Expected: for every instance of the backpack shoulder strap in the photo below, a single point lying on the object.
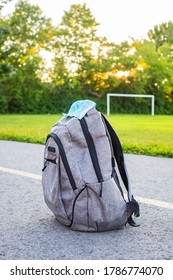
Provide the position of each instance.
(118, 153)
(133, 206)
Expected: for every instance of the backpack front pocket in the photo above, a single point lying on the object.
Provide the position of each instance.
(92, 212)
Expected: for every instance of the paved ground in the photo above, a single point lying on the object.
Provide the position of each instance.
(30, 231)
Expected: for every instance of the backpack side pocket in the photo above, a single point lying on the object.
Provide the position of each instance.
(51, 181)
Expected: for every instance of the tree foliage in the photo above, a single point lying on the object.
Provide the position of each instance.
(161, 34)
(81, 64)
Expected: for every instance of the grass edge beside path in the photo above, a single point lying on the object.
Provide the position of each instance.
(138, 134)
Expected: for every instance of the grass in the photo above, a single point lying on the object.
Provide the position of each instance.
(144, 134)
(139, 134)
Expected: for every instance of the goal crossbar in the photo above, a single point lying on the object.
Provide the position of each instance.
(130, 95)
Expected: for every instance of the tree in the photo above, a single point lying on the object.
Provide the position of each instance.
(29, 33)
(4, 66)
(84, 65)
(153, 75)
(161, 34)
(97, 73)
(86, 55)
(77, 33)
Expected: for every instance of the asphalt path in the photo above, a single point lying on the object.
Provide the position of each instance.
(29, 230)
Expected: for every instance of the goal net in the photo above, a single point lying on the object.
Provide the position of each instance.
(109, 95)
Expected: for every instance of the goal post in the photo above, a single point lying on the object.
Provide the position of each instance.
(131, 95)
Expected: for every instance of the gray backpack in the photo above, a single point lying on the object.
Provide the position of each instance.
(83, 161)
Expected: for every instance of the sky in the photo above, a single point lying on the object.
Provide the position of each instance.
(119, 19)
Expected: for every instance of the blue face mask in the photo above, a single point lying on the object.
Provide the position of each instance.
(79, 108)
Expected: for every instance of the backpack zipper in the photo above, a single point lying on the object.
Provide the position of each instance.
(64, 159)
(74, 202)
(45, 163)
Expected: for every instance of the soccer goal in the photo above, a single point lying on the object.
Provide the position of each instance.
(130, 95)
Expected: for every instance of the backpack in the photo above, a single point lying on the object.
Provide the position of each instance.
(83, 164)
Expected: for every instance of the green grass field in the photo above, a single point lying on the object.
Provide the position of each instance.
(139, 134)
